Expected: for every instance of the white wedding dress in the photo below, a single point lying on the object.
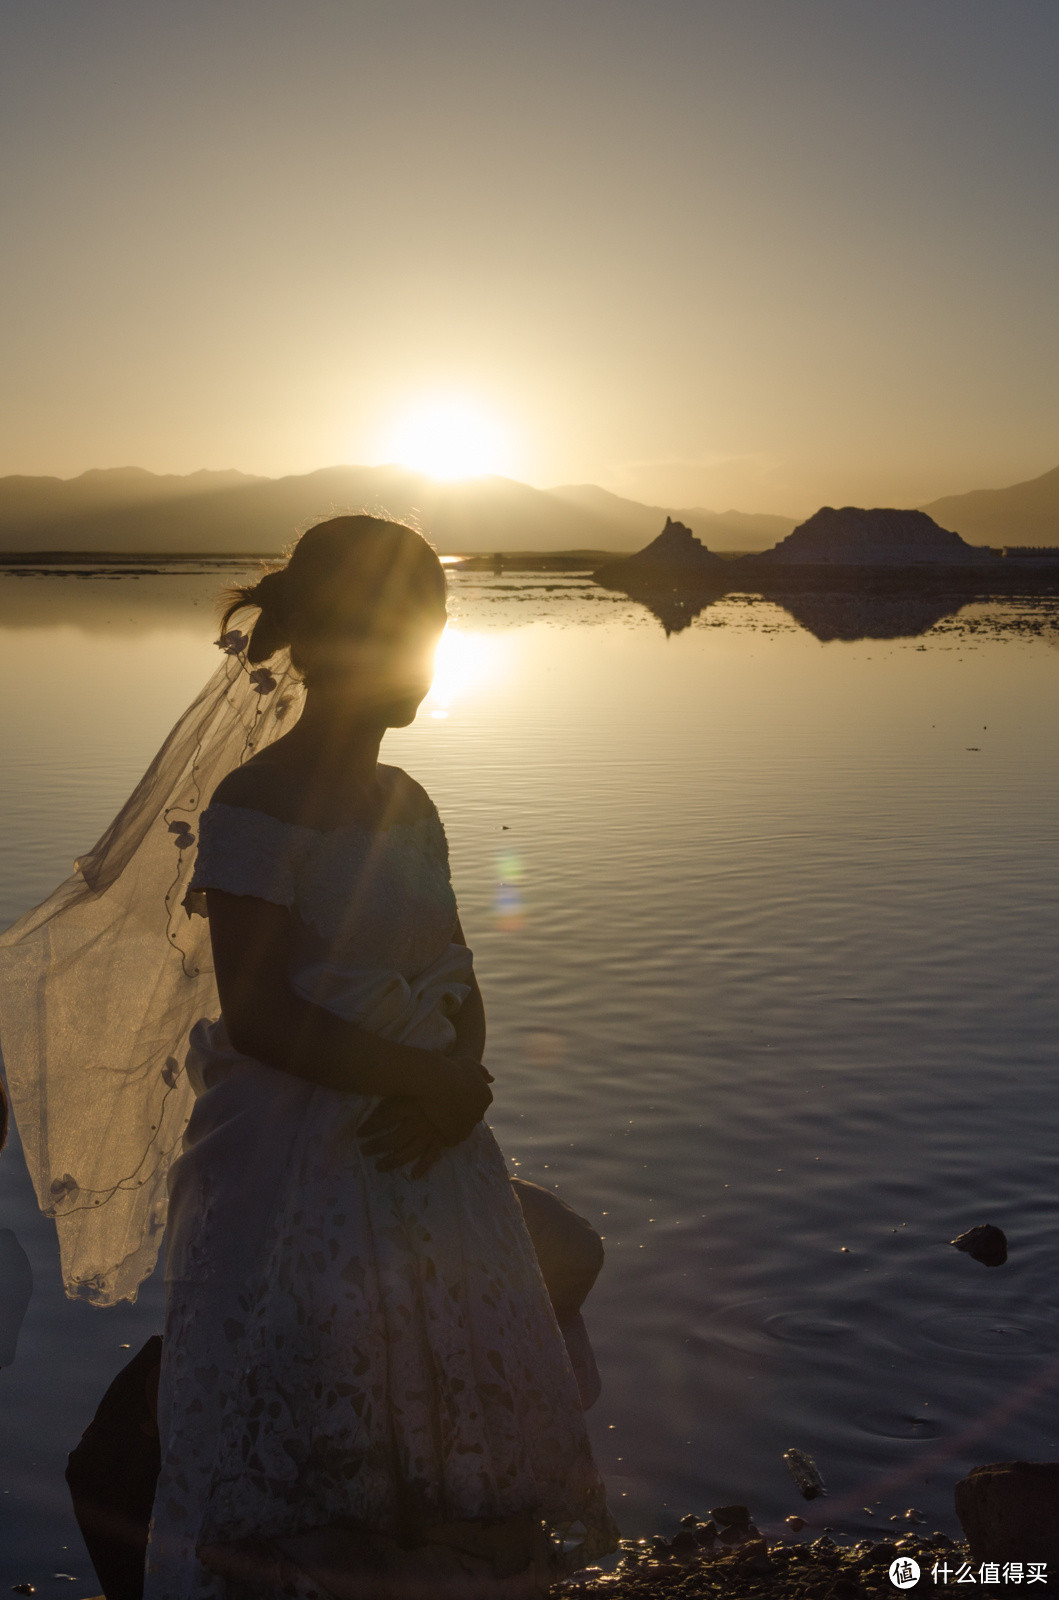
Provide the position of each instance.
(345, 1345)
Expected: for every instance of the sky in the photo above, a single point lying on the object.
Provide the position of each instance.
(752, 254)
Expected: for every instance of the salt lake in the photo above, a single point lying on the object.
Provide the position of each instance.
(766, 922)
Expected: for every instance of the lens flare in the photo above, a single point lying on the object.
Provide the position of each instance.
(509, 905)
(545, 1048)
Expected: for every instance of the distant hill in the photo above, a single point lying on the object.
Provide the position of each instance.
(1027, 513)
(209, 513)
(128, 509)
(32, 500)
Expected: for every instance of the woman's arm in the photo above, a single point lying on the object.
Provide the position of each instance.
(265, 1018)
(469, 1023)
(470, 1019)
(402, 1131)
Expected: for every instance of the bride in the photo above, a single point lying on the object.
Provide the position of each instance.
(364, 1390)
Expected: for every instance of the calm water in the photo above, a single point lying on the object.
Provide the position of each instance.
(767, 932)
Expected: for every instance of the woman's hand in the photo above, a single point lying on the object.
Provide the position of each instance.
(461, 1099)
(400, 1132)
(404, 1131)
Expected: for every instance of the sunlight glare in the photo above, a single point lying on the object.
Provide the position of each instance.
(464, 662)
(448, 438)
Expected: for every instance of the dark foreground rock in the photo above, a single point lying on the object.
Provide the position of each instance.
(1010, 1512)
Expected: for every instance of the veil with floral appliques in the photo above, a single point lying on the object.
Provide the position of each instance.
(101, 984)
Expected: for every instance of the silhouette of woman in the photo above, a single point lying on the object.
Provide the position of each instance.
(364, 1389)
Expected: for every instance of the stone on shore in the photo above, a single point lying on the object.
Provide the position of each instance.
(757, 1567)
(731, 1516)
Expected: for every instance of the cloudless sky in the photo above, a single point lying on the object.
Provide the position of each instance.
(761, 253)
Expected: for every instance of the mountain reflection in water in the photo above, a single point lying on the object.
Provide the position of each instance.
(870, 616)
(828, 615)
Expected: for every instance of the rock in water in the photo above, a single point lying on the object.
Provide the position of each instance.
(803, 1470)
(16, 1290)
(985, 1243)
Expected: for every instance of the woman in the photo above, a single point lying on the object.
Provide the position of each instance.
(364, 1390)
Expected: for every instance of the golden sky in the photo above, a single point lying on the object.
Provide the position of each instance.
(752, 253)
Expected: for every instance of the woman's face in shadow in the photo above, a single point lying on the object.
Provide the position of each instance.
(378, 668)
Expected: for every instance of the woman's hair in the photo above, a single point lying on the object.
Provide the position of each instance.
(347, 570)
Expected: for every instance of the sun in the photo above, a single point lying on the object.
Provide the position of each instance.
(448, 437)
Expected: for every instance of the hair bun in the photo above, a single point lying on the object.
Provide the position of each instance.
(272, 591)
(271, 631)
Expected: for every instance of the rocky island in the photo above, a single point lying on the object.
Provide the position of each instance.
(855, 537)
(674, 576)
(674, 553)
(877, 557)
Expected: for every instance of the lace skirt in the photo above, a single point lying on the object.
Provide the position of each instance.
(349, 1347)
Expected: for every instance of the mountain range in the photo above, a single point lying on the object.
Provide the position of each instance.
(1027, 513)
(127, 509)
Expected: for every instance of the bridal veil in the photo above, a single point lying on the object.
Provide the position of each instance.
(101, 984)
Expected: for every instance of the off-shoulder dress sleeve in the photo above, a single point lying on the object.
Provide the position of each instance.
(439, 839)
(248, 852)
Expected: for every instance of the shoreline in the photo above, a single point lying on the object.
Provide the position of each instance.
(696, 1565)
(755, 1568)
(741, 1564)
(731, 572)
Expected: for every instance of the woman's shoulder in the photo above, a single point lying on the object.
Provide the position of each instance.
(409, 800)
(413, 806)
(272, 788)
(255, 786)
(244, 847)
